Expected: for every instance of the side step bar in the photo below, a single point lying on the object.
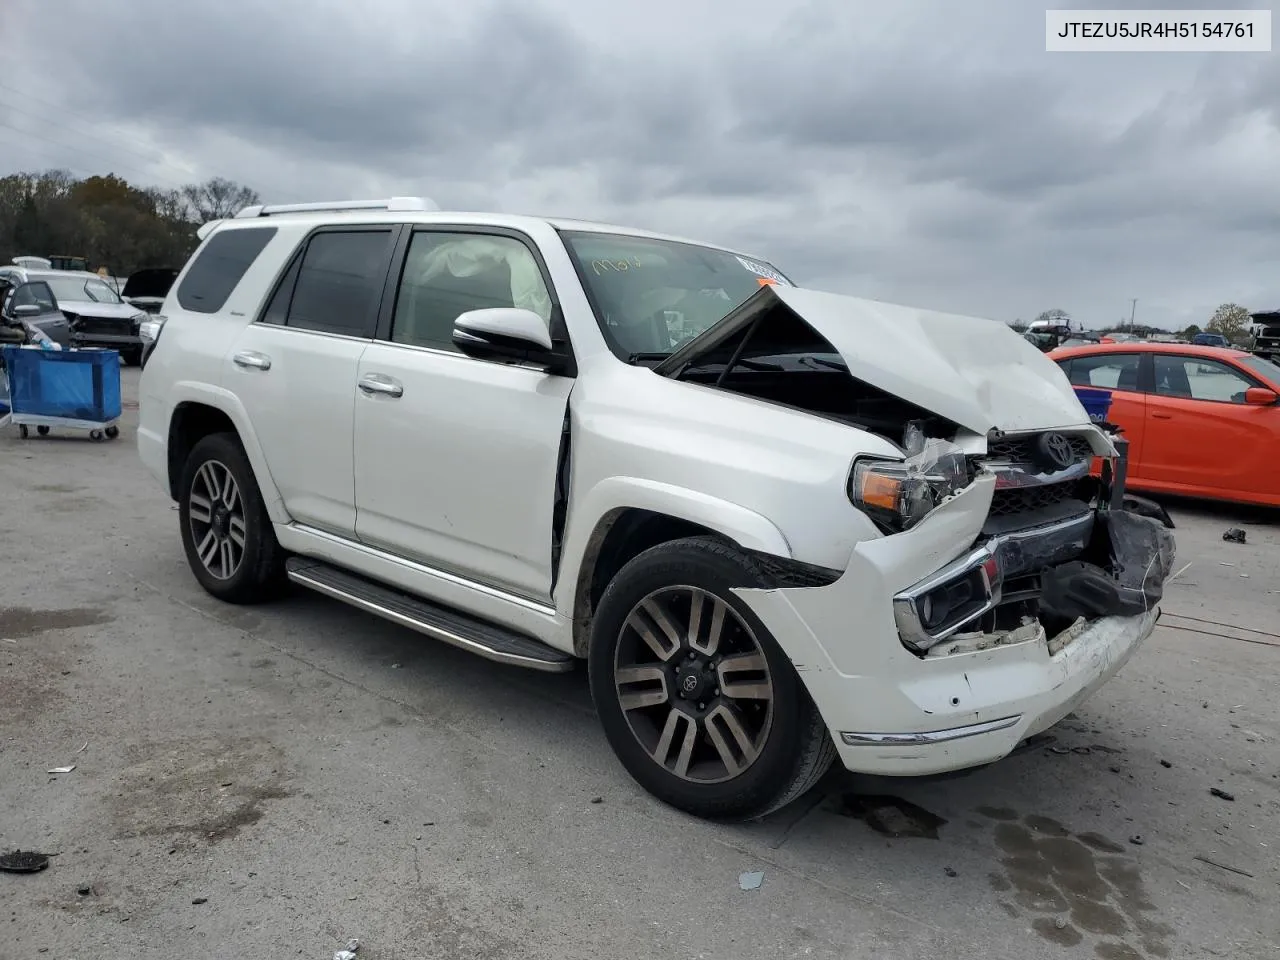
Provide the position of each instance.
(460, 629)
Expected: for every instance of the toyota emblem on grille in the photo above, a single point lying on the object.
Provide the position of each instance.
(1056, 451)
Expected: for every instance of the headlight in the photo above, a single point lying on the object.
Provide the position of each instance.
(149, 328)
(898, 494)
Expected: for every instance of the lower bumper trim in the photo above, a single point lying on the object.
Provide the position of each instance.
(928, 737)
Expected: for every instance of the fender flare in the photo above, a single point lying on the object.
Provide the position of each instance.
(592, 516)
(227, 403)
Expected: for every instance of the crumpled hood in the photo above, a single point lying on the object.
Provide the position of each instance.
(975, 372)
(105, 311)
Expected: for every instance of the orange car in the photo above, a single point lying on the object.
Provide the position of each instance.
(1200, 421)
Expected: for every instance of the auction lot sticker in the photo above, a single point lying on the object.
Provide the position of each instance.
(1157, 31)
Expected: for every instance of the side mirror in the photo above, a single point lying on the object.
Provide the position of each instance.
(26, 310)
(1260, 397)
(505, 333)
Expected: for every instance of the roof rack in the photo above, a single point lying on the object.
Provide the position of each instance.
(392, 204)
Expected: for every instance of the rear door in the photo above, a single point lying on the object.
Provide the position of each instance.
(1121, 373)
(1201, 435)
(294, 369)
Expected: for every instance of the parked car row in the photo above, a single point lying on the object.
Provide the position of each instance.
(79, 308)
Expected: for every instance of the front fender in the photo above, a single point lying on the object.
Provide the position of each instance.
(226, 402)
(748, 529)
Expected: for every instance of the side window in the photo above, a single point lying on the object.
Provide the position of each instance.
(36, 293)
(1065, 367)
(339, 280)
(447, 274)
(220, 266)
(1191, 378)
(1112, 371)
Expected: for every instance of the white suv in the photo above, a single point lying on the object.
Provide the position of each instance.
(780, 525)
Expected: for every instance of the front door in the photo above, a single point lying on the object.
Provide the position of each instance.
(1201, 435)
(295, 370)
(455, 458)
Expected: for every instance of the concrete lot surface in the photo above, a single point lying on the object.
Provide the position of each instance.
(270, 782)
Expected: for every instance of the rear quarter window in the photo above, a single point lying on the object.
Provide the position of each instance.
(219, 266)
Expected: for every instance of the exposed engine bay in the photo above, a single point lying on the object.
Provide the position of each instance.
(1062, 546)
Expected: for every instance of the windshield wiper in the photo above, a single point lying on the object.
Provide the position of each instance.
(647, 357)
(810, 359)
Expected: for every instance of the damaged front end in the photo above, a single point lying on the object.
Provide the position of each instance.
(1058, 551)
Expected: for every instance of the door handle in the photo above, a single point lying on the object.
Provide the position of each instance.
(1162, 416)
(252, 361)
(377, 383)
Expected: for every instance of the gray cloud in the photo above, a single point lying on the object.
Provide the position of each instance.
(923, 152)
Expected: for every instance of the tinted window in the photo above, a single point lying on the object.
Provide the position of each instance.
(339, 282)
(1190, 378)
(35, 293)
(219, 266)
(447, 274)
(1113, 371)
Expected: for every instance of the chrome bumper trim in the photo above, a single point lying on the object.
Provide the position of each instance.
(928, 737)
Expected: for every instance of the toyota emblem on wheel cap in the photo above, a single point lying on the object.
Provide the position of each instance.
(689, 683)
(1056, 451)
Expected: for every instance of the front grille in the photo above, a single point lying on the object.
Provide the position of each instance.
(1022, 449)
(1028, 499)
(115, 326)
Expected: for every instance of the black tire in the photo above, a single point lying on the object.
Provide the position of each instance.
(96, 436)
(112, 432)
(796, 748)
(131, 358)
(23, 432)
(43, 430)
(259, 574)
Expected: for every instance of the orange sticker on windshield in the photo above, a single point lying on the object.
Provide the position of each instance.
(766, 281)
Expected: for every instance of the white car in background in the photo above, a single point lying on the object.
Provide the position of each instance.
(780, 526)
(96, 314)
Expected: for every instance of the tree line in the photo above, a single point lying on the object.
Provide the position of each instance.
(1230, 319)
(108, 221)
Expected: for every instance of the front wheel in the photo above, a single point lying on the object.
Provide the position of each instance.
(697, 699)
(226, 532)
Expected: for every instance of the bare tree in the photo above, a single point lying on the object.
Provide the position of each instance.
(1231, 320)
(216, 199)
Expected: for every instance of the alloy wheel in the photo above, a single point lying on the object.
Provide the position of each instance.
(694, 684)
(216, 514)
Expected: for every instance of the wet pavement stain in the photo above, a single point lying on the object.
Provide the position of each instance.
(1079, 883)
(998, 813)
(19, 622)
(891, 816)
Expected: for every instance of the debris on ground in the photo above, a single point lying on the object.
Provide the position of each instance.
(349, 952)
(84, 890)
(746, 881)
(1060, 751)
(1137, 840)
(23, 861)
(1166, 764)
(199, 900)
(63, 769)
(1234, 535)
(597, 799)
(950, 872)
(1221, 794)
(1223, 866)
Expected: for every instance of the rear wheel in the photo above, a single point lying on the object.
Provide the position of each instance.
(697, 699)
(226, 532)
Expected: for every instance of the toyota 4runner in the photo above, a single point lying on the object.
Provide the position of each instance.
(780, 526)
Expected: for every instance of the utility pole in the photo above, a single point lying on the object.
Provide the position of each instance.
(1133, 308)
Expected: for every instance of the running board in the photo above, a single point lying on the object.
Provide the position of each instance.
(459, 629)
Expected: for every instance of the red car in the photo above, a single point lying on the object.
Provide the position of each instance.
(1200, 421)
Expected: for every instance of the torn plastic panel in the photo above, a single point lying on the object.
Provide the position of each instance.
(1123, 574)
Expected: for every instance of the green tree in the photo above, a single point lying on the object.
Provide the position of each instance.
(1190, 332)
(1231, 320)
(1055, 315)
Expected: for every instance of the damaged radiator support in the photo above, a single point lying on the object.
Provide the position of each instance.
(1075, 562)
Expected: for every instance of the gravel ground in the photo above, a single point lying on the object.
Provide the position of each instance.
(271, 782)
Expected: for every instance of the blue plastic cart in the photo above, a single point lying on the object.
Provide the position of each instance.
(1096, 402)
(68, 389)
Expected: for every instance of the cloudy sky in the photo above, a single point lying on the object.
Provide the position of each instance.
(929, 153)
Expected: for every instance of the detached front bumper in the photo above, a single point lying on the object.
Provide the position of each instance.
(973, 698)
(123, 342)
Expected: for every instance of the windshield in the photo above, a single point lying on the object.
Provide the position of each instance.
(77, 289)
(650, 296)
(1268, 370)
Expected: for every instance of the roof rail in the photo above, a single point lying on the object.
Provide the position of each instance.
(392, 204)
